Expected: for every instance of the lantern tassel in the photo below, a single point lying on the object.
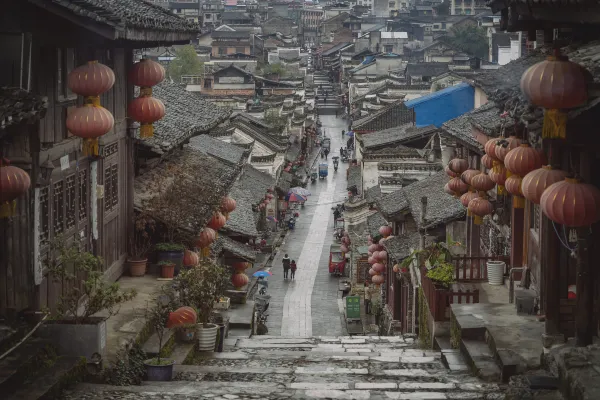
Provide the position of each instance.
(469, 213)
(226, 214)
(501, 190)
(478, 220)
(555, 125)
(8, 209)
(146, 131)
(90, 147)
(518, 202)
(205, 252)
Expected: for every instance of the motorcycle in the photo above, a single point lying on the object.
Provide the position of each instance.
(291, 223)
(335, 163)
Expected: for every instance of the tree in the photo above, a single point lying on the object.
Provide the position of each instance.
(471, 39)
(274, 69)
(186, 62)
(278, 122)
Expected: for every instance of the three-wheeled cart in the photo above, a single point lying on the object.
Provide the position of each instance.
(323, 170)
(337, 260)
(326, 144)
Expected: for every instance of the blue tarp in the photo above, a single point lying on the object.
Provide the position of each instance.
(444, 105)
(368, 60)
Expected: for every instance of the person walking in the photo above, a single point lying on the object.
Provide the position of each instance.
(326, 153)
(367, 299)
(286, 266)
(343, 131)
(293, 268)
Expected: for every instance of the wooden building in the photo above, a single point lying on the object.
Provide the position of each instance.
(89, 198)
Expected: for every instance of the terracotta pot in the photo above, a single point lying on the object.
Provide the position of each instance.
(137, 267)
(167, 271)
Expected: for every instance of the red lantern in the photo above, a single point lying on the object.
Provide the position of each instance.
(480, 207)
(217, 221)
(146, 110)
(372, 272)
(396, 268)
(556, 84)
(513, 186)
(571, 203)
(482, 182)
(468, 175)
(90, 122)
(205, 239)
(522, 160)
(487, 161)
(239, 280)
(379, 268)
(458, 165)
(240, 266)
(190, 258)
(269, 196)
(448, 190)
(490, 149)
(378, 279)
(343, 248)
(458, 186)
(91, 80)
(382, 256)
(466, 198)
(373, 248)
(498, 176)
(449, 172)
(14, 182)
(146, 73)
(375, 257)
(227, 205)
(182, 316)
(535, 182)
(504, 145)
(385, 231)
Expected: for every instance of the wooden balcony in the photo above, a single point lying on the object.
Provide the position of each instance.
(440, 298)
(474, 269)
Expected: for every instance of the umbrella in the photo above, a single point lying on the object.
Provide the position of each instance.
(271, 218)
(300, 191)
(262, 274)
(297, 198)
(350, 133)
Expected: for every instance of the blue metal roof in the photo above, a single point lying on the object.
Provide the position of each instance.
(442, 106)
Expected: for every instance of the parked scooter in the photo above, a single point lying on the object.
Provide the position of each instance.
(291, 223)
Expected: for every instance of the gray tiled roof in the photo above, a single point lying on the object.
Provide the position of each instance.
(487, 119)
(241, 220)
(255, 182)
(217, 148)
(460, 128)
(399, 247)
(373, 194)
(19, 106)
(355, 177)
(392, 203)
(190, 181)
(426, 69)
(126, 14)
(396, 151)
(236, 248)
(394, 136)
(186, 115)
(284, 183)
(374, 222)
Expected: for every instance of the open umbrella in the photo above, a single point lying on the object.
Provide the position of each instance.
(271, 218)
(350, 133)
(300, 191)
(262, 274)
(297, 198)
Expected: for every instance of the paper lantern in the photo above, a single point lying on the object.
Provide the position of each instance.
(458, 165)
(522, 160)
(373, 248)
(487, 161)
(91, 80)
(372, 272)
(376, 255)
(343, 249)
(217, 221)
(190, 258)
(379, 268)
(371, 260)
(498, 176)
(89, 122)
(396, 268)
(556, 84)
(205, 239)
(182, 316)
(482, 182)
(571, 203)
(504, 145)
(449, 172)
(513, 186)
(146, 110)
(480, 207)
(227, 205)
(466, 198)
(468, 175)
(146, 73)
(14, 182)
(385, 230)
(378, 279)
(458, 186)
(382, 256)
(535, 182)
(448, 190)
(239, 280)
(240, 266)
(490, 149)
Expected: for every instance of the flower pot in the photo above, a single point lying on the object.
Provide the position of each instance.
(176, 257)
(83, 339)
(159, 373)
(167, 271)
(186, 335)
(137, 267)
(495, 270)
(207, 337)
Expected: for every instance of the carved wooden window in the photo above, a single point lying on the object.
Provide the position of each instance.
(66, 62)
(535, 217)
(57, 207)
(83, 195)
(70, 198)
(111, 187)
(44, 233)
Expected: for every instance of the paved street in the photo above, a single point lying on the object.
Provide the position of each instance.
(309, 305)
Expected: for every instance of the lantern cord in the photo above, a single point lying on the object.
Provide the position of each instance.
(566, 246)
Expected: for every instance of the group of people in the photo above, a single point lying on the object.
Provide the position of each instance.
(289, 265)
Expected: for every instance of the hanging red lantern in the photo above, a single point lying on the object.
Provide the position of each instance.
(378, 279)
(396, 268)
(269, 196)
(522, 160)
(504, 145)
(513, 186)
(91, 80)
(498, 176)
(375, 256)
(371, 260)
(385, 230)
(468, 175)
(458, 186)
(571, 203)
(379, 268)
(490, 149)
(89, 122)
(205, 239)
(480, 207)
(556, 84)
(458, 165)
(466, 198)
(14, 182)
(449, 172)
(190, 258)
(240, 266)
(373, 248)
(146, 110)
(227, 205)
(535, 182)
(448, 190)
(239, 280)
(217, 221)
(382, 256)
(372, 272)
(487, 161)
(146, 73)
(182, 316)
(482, 182)
(343, 249)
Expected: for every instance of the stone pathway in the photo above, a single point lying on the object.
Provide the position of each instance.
(272, 367)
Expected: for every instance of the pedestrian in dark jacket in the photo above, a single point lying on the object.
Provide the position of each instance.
(326, 153)
(286, 266)
(293, 268)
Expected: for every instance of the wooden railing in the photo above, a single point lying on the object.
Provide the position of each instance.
(474, 269)
(439, 298)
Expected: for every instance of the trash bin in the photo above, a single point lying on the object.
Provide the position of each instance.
(220, 338)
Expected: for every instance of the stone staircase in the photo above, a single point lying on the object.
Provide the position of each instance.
(322, 86)
(273, 367)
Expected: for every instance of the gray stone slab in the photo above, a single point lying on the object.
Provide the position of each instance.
(319, 386)
(322, 370)
(416, 396)
(339, 394)
(426, 386)
(354, 341)
(350, 358)
(386, 359)
(417, 360)
(376, 385)
(404, 372)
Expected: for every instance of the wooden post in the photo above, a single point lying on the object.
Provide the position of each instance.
(517, 226)
(584, 329)
(550, 265)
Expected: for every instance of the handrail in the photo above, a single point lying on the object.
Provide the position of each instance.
(24, 338)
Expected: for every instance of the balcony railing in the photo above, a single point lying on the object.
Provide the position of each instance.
(439, 298)
(474, 269)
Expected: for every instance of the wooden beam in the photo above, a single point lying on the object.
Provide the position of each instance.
(517, 223)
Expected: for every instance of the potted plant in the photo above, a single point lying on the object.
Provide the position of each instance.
(201, 288)
(167, 269)
(73, 324)
(140, 243)
(157, 313)
(186, 333)
(172, 252)
(437, 259)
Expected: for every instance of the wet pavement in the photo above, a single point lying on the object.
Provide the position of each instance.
(308, 305)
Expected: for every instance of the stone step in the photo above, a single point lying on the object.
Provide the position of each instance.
(454, 360)
(151, 346)
(480, 359)
(49, 383)
(182, 352)
(23, 363)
